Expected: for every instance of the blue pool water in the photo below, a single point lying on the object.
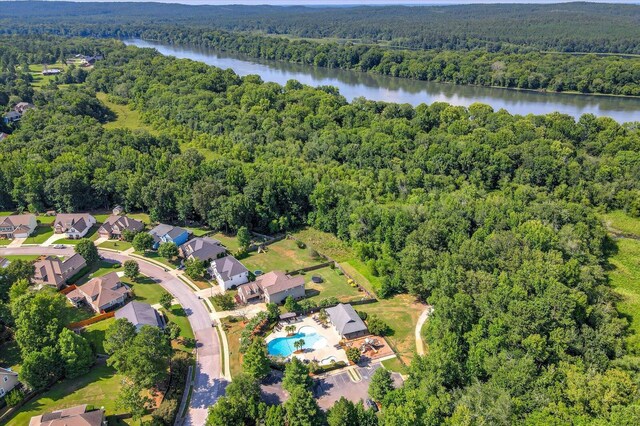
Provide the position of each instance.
(283, 346)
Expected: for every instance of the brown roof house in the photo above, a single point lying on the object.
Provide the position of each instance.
(22, 107)
(74, 225)
(17, 225)
(8, 381)
(203, 248)
(74, 416)
(101, 293)
(229, 272)
(273, 287)
(114, 226)
(55, 272)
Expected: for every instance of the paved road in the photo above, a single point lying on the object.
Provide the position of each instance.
(208, 386)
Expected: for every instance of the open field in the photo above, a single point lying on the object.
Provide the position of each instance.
(197, 232)
(127, 118)
(99, 269)
(334, 285)
(45, 220)
(283, 255)
(5, 242)
(96, 388)
(40, 80)
(622, 222)
(326, 244)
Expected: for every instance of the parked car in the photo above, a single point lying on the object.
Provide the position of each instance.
(58, 246)
(370, 403)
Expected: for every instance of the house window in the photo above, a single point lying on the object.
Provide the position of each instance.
(5, 378)
(1, 392)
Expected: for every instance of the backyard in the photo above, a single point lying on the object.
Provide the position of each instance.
(95, 333)
(334, 284)
(284, 255)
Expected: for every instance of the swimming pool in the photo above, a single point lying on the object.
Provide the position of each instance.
(283, 346)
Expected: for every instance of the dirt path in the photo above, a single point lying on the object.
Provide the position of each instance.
(421, 320)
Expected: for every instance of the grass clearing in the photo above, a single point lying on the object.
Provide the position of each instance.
(95, 334)
(233, 331)
(395, 365)
(97, 270)
(326, 244)
(333, 285)
(97, 388)
(5, 242)
(45, 220)
(126, 118)
(620, 221)
(229, 241)
(40, 80)
(153, 255)
(283, 255)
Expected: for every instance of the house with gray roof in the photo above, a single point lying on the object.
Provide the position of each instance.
(80, 415)
(229, 272)
(168, 234)
(140, 314)
(202, 248)
(346, 321)
(73, 225)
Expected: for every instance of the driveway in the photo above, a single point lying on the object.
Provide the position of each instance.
(208, 385)
(52, 239)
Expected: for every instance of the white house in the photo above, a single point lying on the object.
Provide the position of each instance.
(229, 272)
(8, 381)
(74, 225)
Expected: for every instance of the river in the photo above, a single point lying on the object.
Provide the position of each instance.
(353, 84)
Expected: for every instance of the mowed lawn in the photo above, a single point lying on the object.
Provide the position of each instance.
(126, 118)
(115, 245)
(283, 255)
(334, 284)
(92, 235)
(97, 388)
(145, 289)
(40, 80)
(40, 234)
(95, 334)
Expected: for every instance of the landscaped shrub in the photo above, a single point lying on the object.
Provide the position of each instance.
(14, 397)
(363, 315)
(353, 354)
(377, 326)
(307, 305)
(165, 414)
(224, 302)
(329, 301)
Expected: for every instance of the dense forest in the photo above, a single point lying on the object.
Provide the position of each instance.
(488, 216)
(567, 27)
(512, 65)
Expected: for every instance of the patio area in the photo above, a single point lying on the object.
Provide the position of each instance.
(321, 344)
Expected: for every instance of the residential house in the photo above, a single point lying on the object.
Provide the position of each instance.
(22, 107)
(101, 293)
(73, 416)
(73, 225)
(346, 321)
(3, 136)
(114, 226)
(273, 287)
(55, 272)
(17, 225)
(168, 234)
(229, 272)
(8, 381)
(202, 248)
(140, 314)
(12, 117)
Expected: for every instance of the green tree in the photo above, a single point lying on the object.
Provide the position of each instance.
(302, 409)
(296, 374)
(274, 311)
(342, 413)
(168, 250)
(244, 237)
(40, 369)
(131, 269)
(75, 353)
(131, 400)
(377, 326)
(87, 250)
(39, 319)
(195, 268)
(17, 270)
(381, 384)
(166, 301)
(275, 416)
(353, 355)
(291, 305)
(14, 397)
(142, 242)
(255, 362)
(118, 335)
(172, 330)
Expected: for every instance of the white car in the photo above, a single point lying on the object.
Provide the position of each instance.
(59, 246)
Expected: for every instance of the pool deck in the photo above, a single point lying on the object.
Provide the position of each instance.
(318, 354)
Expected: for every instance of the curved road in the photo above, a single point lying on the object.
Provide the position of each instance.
(207, 386)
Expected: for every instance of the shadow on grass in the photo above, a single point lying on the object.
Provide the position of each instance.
(10, 354)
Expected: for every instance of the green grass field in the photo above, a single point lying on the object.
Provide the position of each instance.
(395, 365)
(233, 331)
(40, 235)
(40, 80)
(283, 255)
(153, 255)
(229, 241)
(97, 388)
(5, 242)
(620, 221)
(95, 334)
(333, 285)
(178, 316)
(21, 256)
(45, 220)
(127, 118)
(116, 245)
(326, 244)
(145, 289)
